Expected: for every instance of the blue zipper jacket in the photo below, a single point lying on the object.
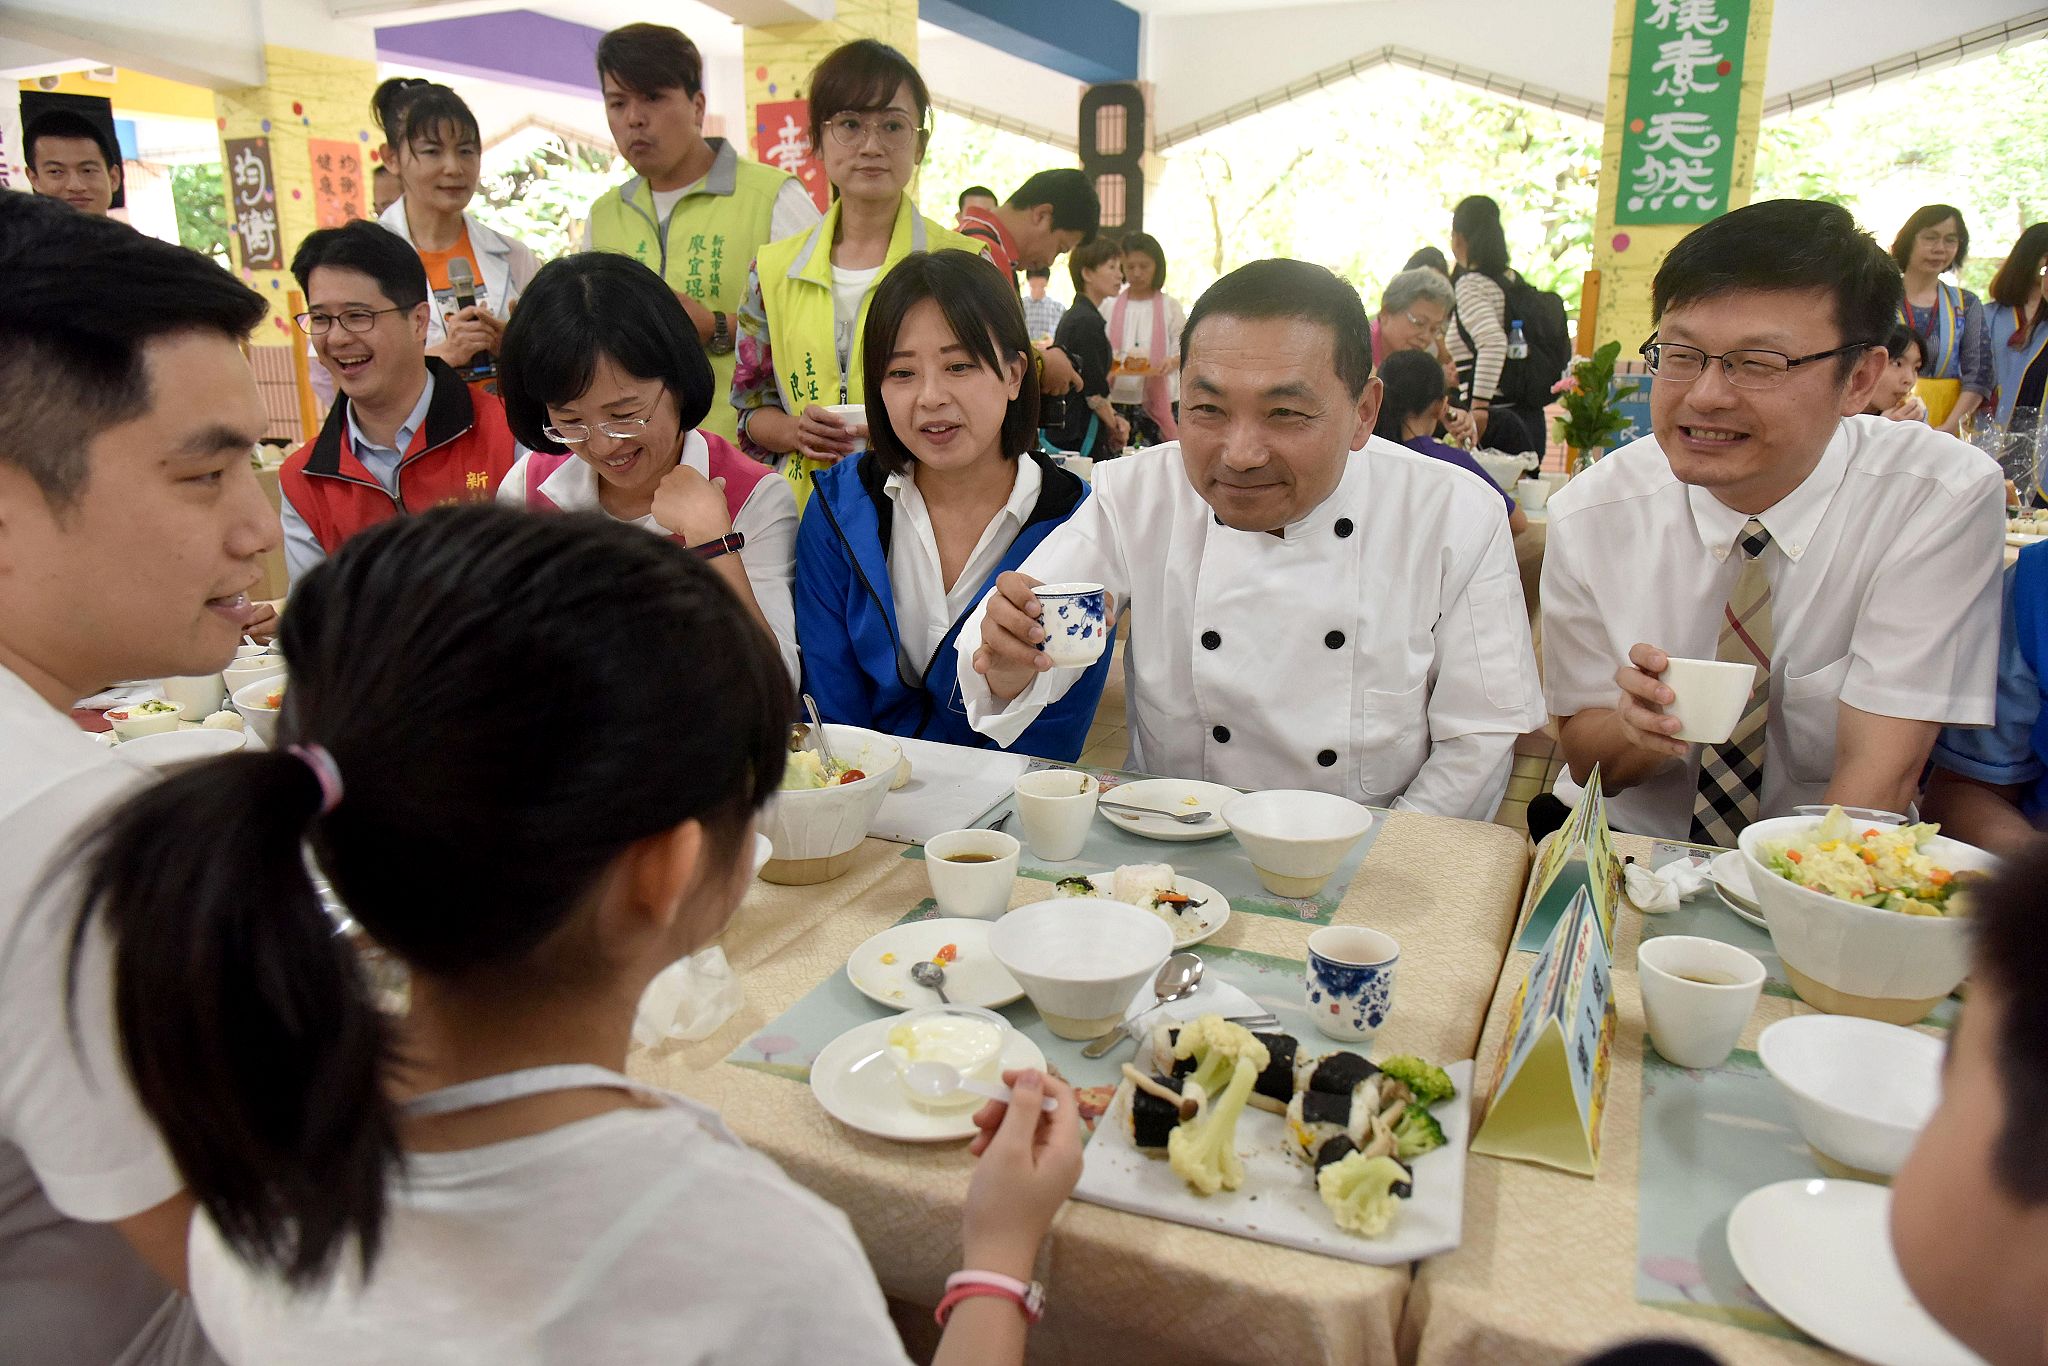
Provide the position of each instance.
(846, 619)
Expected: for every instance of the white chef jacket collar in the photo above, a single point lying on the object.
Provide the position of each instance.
(1792, 520)
(1321, 520)
(1023, 491)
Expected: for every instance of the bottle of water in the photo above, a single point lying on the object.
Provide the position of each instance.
(1518, 345)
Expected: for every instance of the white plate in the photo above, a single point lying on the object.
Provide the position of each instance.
(1278, 1202)
(1730, 876)
(1169, 795)
(1213, 912)
(974, 978)
(1820, 1253)
(856, 1083)
(2022, 539)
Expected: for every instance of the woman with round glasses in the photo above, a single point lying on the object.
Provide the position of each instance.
(1956, 379)
(603, 378)
(807, 295)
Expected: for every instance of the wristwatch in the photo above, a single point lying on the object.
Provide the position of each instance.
(711, 550)
(721, 335)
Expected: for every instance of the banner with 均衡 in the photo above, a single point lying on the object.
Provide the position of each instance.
(252, 199)
(1684, 105)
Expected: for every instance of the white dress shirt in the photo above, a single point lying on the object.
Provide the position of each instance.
(767, 519)
(1377, 648)
(925, 608)
(1884, 594)
(302, 548)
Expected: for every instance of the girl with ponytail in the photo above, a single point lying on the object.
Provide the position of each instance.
(527, 753)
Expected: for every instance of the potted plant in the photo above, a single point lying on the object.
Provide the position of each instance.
(1592, 406)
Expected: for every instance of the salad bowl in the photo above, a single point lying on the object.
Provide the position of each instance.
(1847, 958)
(815, 830)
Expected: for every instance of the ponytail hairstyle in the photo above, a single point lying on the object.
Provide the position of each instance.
(510, 702)
(1477, 220)
(1413, 382)
(387, 103)
(432, 113)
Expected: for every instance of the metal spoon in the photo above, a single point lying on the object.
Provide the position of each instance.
(930, 974)
(1177, 817)
(818, 734)
(1178, 977)
(937, 1080)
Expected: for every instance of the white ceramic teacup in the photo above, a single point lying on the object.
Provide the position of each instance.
(1348, 981)
(201, 696)
(1697, 996)
(1056, 807)
(1531, 494)
(1076, 622)
(1709, 695)
(979, 888)
(854, 415)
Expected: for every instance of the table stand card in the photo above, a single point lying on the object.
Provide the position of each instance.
(1580, 855)
(1550, 1084)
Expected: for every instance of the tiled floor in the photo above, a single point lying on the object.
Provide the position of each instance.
(1536, 757)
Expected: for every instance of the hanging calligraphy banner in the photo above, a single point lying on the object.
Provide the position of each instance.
(782, 139)
(1684, 101)
(252, 196)
(337, 180)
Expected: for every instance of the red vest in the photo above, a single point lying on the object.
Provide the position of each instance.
(460, 454)
(740, 473)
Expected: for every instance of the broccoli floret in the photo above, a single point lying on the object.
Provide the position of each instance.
(1359, 1192)
(1416, 1132)
(1203, 1151)
(1216, 1045)
(1429, 1082)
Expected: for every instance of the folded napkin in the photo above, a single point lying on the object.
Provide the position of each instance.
(1657, 890)
(1213, 997)
(688, 1000)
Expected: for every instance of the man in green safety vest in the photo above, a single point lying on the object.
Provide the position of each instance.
(694, 212)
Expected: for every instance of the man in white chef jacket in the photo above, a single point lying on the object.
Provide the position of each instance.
(1312, 607)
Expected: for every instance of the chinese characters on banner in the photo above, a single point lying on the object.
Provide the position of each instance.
(252, 196)
(337, 181)
(1684, 95)
(782, 139)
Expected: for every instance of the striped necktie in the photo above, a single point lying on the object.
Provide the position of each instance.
(1731, 779)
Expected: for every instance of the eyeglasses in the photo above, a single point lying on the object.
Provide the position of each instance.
(576, 433)
(352, 320)
(893, 131)
(1743, 369)
(1428, 329)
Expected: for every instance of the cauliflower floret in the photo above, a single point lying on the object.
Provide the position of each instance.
(1203, 1151)
(1360, 1192)
(1216, 1045)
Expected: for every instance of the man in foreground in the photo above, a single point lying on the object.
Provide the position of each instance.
(1312, 607)
(1853, 561)
(131, 530)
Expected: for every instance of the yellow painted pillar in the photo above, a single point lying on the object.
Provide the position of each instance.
(778, 60)
(295, 156)
(1684, 99)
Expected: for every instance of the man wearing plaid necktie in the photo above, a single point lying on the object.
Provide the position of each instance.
(1853, 562)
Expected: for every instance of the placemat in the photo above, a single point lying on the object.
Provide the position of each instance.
(1221, 862)
(788, 1045)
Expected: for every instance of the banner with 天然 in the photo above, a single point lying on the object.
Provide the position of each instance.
(1684, 102)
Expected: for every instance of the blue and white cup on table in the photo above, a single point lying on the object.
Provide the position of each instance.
(1349, 980)
(1076, 622)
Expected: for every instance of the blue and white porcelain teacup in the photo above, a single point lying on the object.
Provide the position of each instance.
(1076, 625)
(1349, 980)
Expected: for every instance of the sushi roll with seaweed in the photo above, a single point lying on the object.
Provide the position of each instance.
(1275, 1086)
(1157, 1107)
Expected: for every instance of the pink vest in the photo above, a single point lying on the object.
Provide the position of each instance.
(736, 473)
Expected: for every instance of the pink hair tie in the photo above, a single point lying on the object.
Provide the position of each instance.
(325, 772)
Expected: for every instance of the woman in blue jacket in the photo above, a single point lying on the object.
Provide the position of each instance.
(898, 545)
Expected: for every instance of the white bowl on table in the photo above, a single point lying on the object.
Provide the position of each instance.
(1296, 839)
(1080, 960)
(815, 831)
(243, 672)
(131, 723)
(177, 748)
(1861, 1090)
(1850, 959)
(252, 700)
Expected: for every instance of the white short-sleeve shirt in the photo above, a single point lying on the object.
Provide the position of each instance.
(767, 519)
(76, 1150)
(639, 1236)
(1884, 595)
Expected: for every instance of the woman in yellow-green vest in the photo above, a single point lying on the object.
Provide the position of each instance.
(799, 329)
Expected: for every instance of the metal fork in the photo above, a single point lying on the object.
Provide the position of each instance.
(1178, 818)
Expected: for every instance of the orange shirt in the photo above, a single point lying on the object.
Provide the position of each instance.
(436, 263)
